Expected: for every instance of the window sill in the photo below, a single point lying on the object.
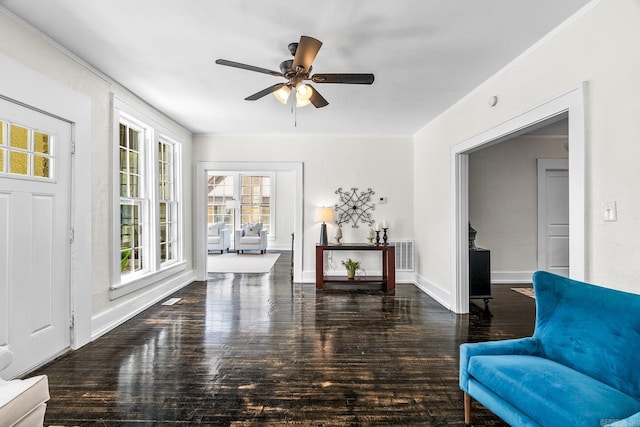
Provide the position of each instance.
(122, 289)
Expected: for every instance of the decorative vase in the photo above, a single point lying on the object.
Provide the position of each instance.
(351, 274)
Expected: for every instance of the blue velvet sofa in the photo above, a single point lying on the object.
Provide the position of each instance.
(581, 367)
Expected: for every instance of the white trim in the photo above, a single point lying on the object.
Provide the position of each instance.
(118, 314)
(126, 288)
(36, 90)
(571, 102)
(441, 296)
(200, 226)
(511, 276)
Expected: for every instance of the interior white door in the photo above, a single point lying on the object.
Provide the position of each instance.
(35, 194)
(553, 216)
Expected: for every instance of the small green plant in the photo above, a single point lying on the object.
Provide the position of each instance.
(350, 264)
(351, 267)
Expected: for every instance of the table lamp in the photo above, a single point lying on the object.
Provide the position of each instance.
(324, 215)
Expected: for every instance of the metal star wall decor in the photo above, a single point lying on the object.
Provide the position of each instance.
(354, 207)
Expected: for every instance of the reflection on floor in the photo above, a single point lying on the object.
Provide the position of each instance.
(255, 349)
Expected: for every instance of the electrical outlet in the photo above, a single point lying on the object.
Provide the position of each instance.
(609, 211)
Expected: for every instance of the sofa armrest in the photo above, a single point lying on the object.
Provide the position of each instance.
(238, 234)
(225, 238)
(263, 238)
(632, 421)
(523, 346)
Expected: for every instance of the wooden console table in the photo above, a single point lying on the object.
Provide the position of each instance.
(388, 278)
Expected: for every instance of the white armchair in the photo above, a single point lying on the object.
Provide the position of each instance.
(251, 237)
(22, 402)
(218, 237)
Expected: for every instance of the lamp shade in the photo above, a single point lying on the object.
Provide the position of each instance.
(232, 204)
(324, 214)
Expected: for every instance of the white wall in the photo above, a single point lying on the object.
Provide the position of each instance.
(383, 164)
(600, 47)
(503, 201)
(29, 48)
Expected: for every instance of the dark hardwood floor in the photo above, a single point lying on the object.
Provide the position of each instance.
(257, 350)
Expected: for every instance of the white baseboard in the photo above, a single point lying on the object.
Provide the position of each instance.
(511, 276)
(108, 320)
(442, 296)
(279, 247)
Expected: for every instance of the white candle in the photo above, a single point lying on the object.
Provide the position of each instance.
(377, 227)
(385, 224)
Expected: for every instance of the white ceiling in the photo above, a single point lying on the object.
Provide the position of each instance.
(425, 55)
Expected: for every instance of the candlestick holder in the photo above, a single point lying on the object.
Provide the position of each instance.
(377, 237)
(384, 235)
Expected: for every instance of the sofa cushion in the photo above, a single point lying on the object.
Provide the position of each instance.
(250, 240)
(253, 229)
(19, 398)
(550, 393)
(213, 240)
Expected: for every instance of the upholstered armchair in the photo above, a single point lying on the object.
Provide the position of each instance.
(22, 402)
(251, 237)
(218, 237)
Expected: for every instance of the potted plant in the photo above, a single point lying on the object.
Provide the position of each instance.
(351, 267)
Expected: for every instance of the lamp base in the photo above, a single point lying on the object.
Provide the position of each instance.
(324, 241)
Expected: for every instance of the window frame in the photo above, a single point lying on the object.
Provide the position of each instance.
(237, 196)
(155, 270)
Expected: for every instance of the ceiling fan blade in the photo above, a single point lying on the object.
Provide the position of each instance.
(306, 52)
(264, 92)
(248, 67)
(353, 79)
(316, 99)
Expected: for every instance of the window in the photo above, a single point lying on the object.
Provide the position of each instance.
(255, 200)
(149, 244)
(221, 192)
(168, 205)
(237, 199)
(133, 230)
(25, 152)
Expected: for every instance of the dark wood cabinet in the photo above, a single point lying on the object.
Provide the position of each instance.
(480, 275)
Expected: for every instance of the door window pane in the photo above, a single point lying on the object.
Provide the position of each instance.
(19, 163)
(19, 137)
(25, 152)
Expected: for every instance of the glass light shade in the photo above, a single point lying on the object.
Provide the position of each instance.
(303, 92)
(282, 94)
(302, 102)
(323, 215)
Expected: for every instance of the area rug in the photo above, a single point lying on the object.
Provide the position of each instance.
(241, 263)
(525, 291)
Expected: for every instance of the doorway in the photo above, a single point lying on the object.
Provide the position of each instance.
(35, 246)
(286, 168)
(569, 104)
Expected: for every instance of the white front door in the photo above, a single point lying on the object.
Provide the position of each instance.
(553, 216)
(35, 170)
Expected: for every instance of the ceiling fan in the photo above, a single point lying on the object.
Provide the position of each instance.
(297, 71)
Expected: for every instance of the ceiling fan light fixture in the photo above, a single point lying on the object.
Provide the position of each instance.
(303, 92)
(302, 102)
(283, 94)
